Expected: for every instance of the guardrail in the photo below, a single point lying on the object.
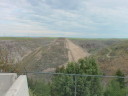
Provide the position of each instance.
(48, 77)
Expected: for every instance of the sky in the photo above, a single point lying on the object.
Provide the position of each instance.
(64, 18)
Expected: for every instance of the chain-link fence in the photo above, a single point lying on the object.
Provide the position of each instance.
(61, 84)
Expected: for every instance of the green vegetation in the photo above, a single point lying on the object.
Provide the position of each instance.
(121, 81)
(117, 86)
(25, 38)
(89, 86)
(64, 85)
(16, 38)
(114, 89)
(5, 65)
(39, 88)
(38, 54)
(31, 93)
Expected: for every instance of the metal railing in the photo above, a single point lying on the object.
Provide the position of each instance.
(104, 76)
(75, 76)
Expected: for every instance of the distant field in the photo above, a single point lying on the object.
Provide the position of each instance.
(25, 38)
(14, 38)
(98, 38)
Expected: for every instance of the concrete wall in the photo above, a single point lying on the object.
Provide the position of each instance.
(19, 87)
(6, 80)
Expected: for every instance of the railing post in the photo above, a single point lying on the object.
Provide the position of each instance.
(75, 85)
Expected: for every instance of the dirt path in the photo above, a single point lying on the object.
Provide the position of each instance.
(108, 54)
(75, 52)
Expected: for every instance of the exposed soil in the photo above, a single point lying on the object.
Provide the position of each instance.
(75, 52)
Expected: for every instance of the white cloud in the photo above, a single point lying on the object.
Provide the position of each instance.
(79, 18)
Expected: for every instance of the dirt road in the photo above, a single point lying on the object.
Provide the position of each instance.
(75, 52)
(108, 54)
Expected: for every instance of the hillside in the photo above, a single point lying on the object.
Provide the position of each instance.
(57, 54)
(113, 58)
(50, 56)
(111, 54)
(95, 45)
(17, 48)
(46, 54)
(40, 54)
(75, 52)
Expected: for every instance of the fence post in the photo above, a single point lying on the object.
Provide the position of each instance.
(25, 71)
(75, 86)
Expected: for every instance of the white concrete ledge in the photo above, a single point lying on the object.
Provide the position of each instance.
(6, 80)
(19, 87)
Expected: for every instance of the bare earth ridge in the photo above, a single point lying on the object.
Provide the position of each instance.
(74, 54)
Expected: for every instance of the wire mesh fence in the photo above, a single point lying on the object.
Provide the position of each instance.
(61, 84)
